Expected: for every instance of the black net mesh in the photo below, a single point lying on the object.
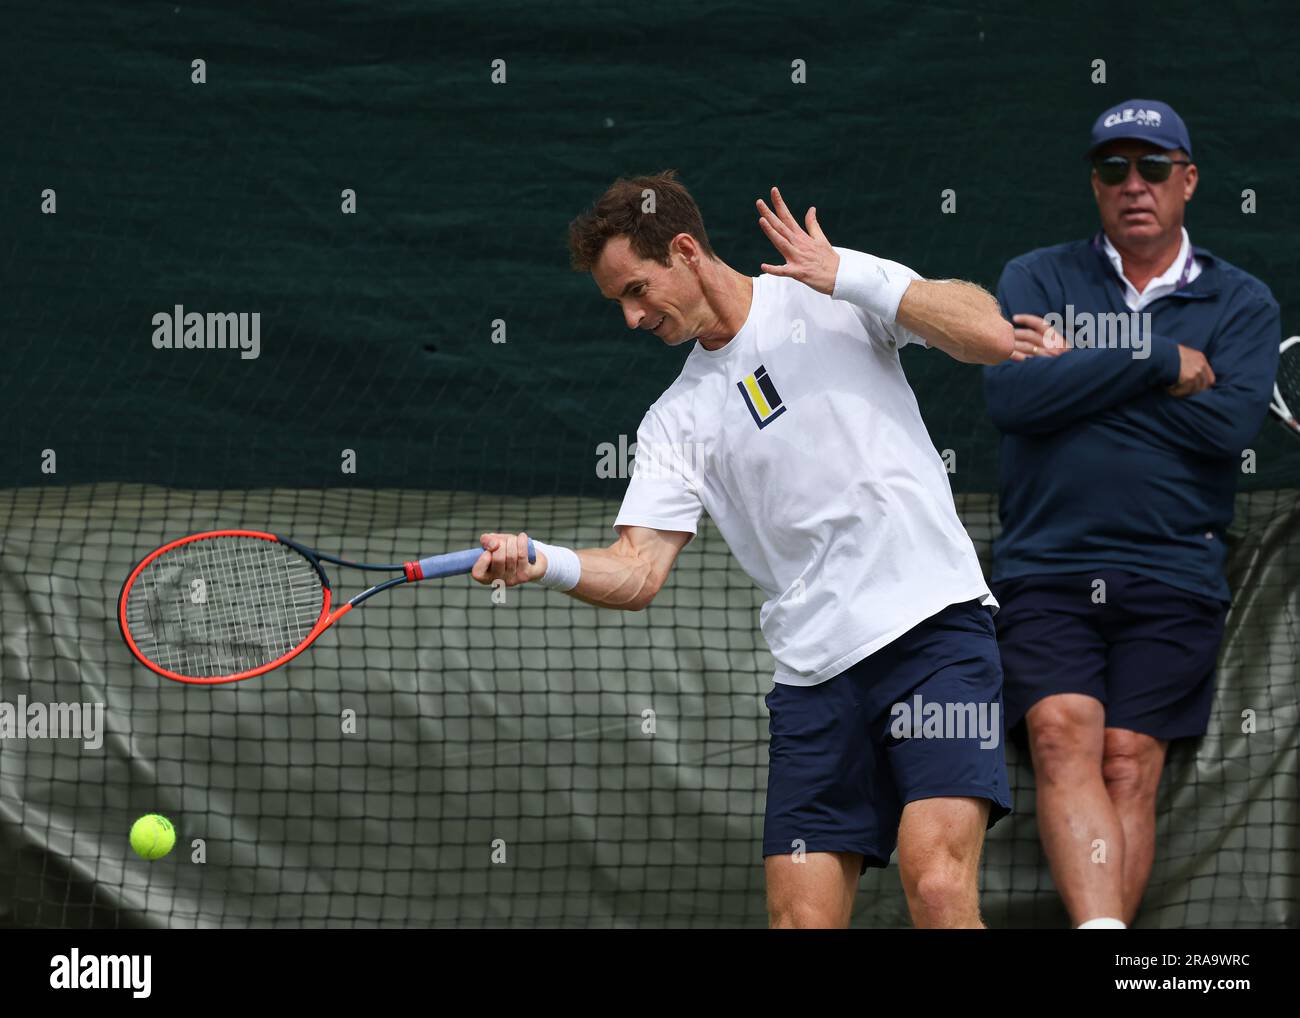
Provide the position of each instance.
(444, 757)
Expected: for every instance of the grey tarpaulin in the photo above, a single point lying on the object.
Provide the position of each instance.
(522, 722)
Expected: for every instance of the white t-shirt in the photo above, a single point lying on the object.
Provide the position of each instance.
(802, 440)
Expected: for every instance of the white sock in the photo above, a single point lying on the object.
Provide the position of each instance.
(1102, 924)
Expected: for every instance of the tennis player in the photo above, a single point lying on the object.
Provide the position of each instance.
(1120, 458)
(793, 426)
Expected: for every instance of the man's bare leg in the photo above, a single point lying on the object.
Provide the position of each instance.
(1080, 827)
(815, 893)
(1131, 767)
(939, 845)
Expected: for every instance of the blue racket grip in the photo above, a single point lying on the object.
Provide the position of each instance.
(453, 563)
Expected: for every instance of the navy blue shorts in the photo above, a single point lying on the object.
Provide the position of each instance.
(1147, 652)
(919, 718)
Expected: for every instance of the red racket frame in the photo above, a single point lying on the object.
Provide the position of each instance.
(323, 622)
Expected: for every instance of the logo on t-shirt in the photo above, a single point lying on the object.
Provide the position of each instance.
(761, 397)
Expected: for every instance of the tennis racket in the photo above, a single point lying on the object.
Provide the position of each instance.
(1286, 390)
(230, 604)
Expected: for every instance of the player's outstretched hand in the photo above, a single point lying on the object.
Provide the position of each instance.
(808, 255)
(505, 557)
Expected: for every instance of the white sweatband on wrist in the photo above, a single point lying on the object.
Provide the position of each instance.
(1102, 924)
(563, 569)
(871, 283)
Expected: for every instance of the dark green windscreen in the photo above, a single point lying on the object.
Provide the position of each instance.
(377, 328)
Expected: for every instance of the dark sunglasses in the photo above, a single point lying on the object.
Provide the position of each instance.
(1154, 169)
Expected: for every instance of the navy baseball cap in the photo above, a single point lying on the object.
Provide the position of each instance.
(1142, 119)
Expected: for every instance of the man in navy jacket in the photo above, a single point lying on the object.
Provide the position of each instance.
(1143, 368)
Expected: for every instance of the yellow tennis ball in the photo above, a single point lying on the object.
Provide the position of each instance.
(152, 836)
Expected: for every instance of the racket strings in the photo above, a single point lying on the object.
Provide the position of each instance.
(223, 605)
(1288, 379)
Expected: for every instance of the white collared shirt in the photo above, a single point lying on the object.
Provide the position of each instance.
(1161, 285)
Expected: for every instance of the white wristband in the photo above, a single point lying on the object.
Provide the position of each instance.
(563, 568)
(1102, 923)
(874, 284)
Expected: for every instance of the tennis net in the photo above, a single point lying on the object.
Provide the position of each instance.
(450, 758)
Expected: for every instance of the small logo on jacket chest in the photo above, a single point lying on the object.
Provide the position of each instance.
(761, 397)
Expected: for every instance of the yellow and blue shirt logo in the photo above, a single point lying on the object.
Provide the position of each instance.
(761, 397)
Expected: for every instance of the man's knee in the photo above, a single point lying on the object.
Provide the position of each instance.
(1066, 735)
(803, 915)
(941, 883)
(1131, 765)
(939, 847)
(815, 893)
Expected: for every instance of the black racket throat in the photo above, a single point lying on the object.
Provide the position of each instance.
(317, 557)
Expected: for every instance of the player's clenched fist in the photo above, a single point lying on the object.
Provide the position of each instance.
(505, 557)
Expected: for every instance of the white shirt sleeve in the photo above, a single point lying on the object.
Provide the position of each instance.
(888, 332)
(874, 287)
(663, 493)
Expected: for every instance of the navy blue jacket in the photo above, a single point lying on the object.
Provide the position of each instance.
(1100, 467)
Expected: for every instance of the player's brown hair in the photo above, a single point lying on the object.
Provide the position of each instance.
(618, 212)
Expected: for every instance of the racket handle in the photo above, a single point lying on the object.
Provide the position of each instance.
(453, 563)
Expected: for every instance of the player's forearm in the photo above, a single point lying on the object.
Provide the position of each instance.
(959, 318)
(614, 578)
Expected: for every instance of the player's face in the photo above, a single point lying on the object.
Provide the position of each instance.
(1137, 211)
(662, 299)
